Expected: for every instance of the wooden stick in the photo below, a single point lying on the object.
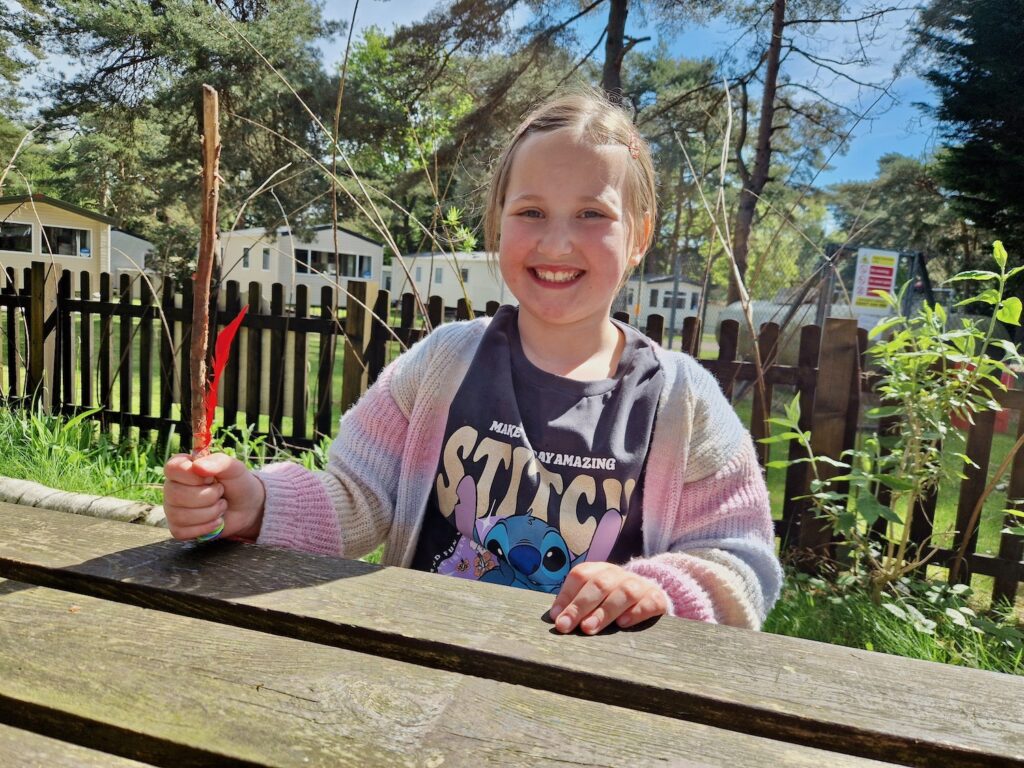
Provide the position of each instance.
(204, 269)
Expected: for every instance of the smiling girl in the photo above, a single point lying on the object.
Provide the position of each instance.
(549, 448)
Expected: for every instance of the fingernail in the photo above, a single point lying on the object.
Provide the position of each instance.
(625, 621)
(590, 625)
(555, 610)
(563, 624)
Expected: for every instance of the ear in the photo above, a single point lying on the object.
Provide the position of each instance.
(642, 241)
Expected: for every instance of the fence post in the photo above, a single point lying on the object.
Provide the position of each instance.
(1011, 546)
(42, 324)
(838, 373)
(361, 293)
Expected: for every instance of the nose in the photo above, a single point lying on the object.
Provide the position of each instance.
(524, 558)
(556, 239)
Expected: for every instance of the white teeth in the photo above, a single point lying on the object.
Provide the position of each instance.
(556, 277)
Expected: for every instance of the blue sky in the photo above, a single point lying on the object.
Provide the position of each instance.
(900, 128)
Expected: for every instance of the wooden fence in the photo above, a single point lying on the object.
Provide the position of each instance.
(124, 360)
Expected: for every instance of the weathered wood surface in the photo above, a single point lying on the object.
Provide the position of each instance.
(24, 748)
(809, 693)
(178, 691)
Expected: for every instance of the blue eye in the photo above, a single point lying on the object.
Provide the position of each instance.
(593, 215)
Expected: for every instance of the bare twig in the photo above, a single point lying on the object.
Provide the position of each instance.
(204, 269)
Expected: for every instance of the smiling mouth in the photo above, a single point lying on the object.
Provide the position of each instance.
(559, 276)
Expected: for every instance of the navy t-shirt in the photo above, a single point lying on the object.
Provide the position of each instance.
(539, 473)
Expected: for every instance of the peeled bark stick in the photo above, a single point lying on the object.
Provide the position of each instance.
(204, 270)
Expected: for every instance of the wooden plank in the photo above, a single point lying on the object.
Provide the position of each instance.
(462, 309)
(168, 326)
(24, 748)
(357, 331)
(1011, 547)
(185, 363)
(808, 693)
(300, 401)
(768, 344)
(146, 351)
(323, 420)
(690, 337)
(798, 476)
(837, 376)
(124, 361)
(277, 367)
(253, 357)
(13, 315)
(105, 362)
(41, 339)
(492, 308)
(65, 393)
(287, 702)
(85, 341)
(376, 352)
(728, 346)
(228, 388)
(655, 328)
(435, 311)
(978, 449)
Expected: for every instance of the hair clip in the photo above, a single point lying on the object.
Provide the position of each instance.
(634, 145)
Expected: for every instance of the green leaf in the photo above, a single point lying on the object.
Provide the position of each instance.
(1009, 311)
(973, 274)
(1015, 271)
(895, 610)
(989, 296)
(884, 326)
(883, 411)
(869, 509)
(782, 464)
(1014, 530)
(896, 483)
(956, 617)
(784, 437)
(999, 253)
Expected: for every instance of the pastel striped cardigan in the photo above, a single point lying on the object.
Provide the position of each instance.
(707, 532)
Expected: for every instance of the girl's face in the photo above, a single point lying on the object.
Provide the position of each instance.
(566, 240)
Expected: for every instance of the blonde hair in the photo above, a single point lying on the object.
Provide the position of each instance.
(600, 122)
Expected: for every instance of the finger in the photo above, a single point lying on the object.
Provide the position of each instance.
(573, 583)
(179, 469)
(198, 531)
(647, 608)
(613, 606)
(192, 496)
(191, 516)
(219, 465)
(583, 604)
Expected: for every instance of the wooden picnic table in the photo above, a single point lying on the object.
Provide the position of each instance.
(121, 646)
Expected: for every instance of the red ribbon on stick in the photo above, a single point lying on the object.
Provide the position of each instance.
(222, 350)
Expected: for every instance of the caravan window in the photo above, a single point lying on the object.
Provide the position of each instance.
(66, 241)
(15, 237)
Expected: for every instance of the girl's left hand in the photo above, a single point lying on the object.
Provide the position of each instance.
(596, 594)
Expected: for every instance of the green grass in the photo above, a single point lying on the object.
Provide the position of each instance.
(844, 615)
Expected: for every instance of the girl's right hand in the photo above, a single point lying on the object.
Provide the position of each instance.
(199, 494)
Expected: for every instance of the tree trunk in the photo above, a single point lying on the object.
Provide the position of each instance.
(615, 49)
(755, 181)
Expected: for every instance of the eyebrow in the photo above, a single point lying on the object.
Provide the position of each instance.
(529, 197)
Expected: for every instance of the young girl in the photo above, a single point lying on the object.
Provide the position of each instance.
(549, 448)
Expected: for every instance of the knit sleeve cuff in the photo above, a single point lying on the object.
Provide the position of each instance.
(686, 598)
(297, 513)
